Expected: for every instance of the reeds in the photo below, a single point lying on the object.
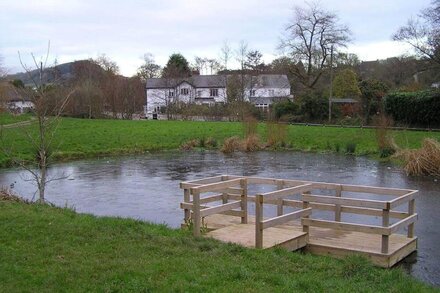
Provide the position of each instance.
(231, 145)
(276, 134)
(423, 161)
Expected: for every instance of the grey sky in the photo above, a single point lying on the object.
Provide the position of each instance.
(125, 30)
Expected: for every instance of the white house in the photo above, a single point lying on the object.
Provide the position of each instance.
(261, 90)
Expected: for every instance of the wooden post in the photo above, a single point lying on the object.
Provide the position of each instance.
(385, 223)
(224, 194)
(280, 185)
(411, 211)
(258, 220)
(305, 206)
(196, 213)
(186, 199)
(338, 206)
(243, 185)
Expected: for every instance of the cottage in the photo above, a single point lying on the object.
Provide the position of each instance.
(261, 90)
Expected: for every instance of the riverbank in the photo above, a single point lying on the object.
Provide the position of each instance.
(44, 248)
(82, 138)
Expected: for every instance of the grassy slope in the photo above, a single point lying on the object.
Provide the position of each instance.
(87, 138)
(50, 249)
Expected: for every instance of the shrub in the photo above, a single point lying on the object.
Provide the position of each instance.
(424, 161)
(276, 133)
(284, 108)
(189, 145)
(415, 108)
(231, 144)
(211, 142)
(384, 139)
(251, 144)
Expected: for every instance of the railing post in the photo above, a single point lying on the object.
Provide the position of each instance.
(338, 206)
(243, 185)
(305, 206)
(385, 223)
(411, 211)
(280, 185)
(258, 220)
(224, 194)
(196, 213)
(186, 199)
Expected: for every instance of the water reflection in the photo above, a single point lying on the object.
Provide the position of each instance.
(147, 187)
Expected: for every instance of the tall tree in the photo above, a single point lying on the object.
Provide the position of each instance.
(149, 69)
(253, 61)
(423, 33)
(310, 36)
(225, 54)
(345, 84)
(177, 66)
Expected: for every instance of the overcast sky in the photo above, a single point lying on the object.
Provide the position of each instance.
(125, 30)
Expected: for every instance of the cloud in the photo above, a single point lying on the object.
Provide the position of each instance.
(125, 30)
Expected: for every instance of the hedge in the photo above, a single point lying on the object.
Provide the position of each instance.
(414, 108)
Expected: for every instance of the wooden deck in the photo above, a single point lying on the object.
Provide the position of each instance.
(320, 241)
(229, 221)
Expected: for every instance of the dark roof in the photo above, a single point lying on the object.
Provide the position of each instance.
(201, 81)
(269, 81)
(207, 81)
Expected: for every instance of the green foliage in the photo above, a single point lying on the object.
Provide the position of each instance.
(177, 66)
(345, 84)
(18, 83)
(47, 249)
(285, 108)
(414, 108)
(8, 118)
(314, 107)
(372, 93)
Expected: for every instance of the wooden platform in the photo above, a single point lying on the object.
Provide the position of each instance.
(320, 241)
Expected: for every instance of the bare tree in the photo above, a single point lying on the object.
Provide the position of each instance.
(240, 55)
(149, 69)
(200, 64)
(310, 36)
(423, 33)
(3, 70)
(225, 54)
(49, 103)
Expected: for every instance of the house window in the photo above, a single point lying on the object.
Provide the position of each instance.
(184, 91)
(199, 94)
(171, 94)
(252, 93)
(213, 93)
(271, 93)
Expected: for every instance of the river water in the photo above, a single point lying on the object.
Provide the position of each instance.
(147, 187)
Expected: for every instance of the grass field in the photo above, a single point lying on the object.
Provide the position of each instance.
(81, 138)
(47, 249)
(7, 118)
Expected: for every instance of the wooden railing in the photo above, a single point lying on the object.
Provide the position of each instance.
(195, 209)
(233, 195)
(281, 218)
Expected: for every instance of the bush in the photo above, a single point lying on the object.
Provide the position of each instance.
(231, 145)
(415, 108)
(285, 108)
(315, 108)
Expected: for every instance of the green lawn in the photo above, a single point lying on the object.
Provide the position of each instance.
(47, 249)
(80, 138)
(7, 118)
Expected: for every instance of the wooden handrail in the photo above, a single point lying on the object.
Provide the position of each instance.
(371, 229)
(216, 186)
(403, 199)
(365, 203)
(220, 208)
(285, 218)
(286, 192)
